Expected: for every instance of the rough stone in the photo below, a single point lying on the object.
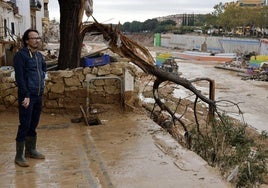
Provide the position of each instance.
(117, 71)
(51, 104)
(99, 82)
(9, 100)
(112, 90)
(104, 70)
(74, 81)
(10, 91)
(99, 88)
(54, 96)
(57, 88)
(72, 88)
(8, 80)
(5, 86)
(87, 70)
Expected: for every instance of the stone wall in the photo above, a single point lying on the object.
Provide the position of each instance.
(67, 90)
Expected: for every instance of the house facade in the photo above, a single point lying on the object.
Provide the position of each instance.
(16, 17)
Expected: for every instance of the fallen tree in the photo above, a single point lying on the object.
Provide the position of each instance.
(140, 56)
(219, 139)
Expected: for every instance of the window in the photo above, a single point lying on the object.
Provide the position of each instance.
(12, 28)
(5, 28)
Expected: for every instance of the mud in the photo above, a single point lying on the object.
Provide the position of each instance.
(251, 96)
(127, 150)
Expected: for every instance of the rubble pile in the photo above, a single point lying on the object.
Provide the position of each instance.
(247, 72)
(260, 73)
(51, 32)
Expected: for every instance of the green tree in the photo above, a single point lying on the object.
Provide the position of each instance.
(168, 22)
(135, 26)
(218, 9)
(150, 25)
(262, 17)
(126, 26)
(165, 26)
(228, 19)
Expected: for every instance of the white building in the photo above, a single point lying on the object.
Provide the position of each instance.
(16, 16)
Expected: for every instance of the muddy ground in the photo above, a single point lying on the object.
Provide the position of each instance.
(128, 150)
(250, 95)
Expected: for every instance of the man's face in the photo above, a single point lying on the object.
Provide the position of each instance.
(33, 40)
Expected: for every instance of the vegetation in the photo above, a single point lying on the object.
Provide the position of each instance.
(151, 25)
(232, 20)
(239, 153)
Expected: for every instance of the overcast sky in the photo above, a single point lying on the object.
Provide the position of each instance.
(114, 11)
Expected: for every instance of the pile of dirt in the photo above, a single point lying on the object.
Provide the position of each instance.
(145, 39)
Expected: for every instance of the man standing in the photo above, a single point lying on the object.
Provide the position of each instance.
(30, 68)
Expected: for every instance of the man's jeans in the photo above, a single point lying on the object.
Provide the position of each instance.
(29, 117)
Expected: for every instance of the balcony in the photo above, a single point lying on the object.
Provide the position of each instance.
(11, 5)
(35, 5)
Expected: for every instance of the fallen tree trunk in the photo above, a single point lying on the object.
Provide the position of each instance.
(140, 56)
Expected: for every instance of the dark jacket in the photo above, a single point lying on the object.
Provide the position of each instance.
(30, 69)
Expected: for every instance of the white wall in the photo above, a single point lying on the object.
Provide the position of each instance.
(39, 16)
(25, 20)
(214, 44)
(264, 47)
(9, 17)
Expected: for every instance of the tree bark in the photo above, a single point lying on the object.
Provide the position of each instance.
(71, 14)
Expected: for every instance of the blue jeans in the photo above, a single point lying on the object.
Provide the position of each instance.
(29, 117)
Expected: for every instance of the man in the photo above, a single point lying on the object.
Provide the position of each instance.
(30, 68)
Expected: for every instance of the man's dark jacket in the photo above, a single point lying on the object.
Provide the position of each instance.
(30, 69)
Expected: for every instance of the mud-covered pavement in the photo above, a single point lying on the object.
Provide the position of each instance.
(250, 95)
(128, 150)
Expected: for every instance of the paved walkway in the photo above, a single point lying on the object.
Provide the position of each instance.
(128, 150)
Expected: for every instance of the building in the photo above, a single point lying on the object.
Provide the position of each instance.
(16, 17)
(252, 2)
(248, 3)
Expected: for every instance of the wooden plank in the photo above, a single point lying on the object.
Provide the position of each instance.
(84, 115)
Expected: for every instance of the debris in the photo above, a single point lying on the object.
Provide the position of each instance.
(170, 65)
(77, 120)
(233, 174)
(84, 115)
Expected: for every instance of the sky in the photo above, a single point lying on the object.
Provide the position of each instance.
(115, 11)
